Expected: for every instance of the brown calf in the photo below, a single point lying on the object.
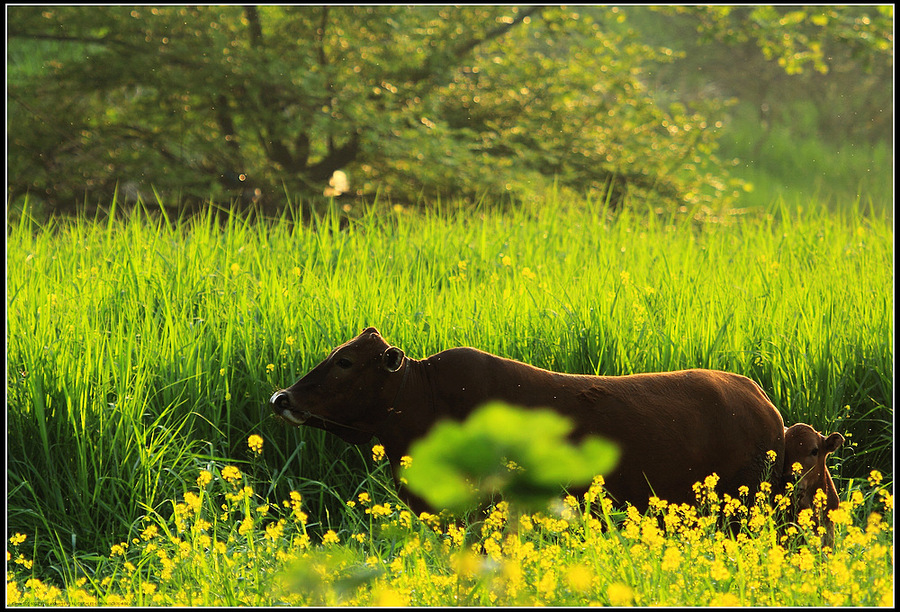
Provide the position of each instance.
(809, 448)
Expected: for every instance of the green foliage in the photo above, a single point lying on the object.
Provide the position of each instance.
(718, 54)
(224, 102)
(523, 455)
(798, 36)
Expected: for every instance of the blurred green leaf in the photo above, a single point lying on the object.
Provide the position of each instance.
(523, 454)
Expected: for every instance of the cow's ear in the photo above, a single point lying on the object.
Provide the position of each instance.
(833, 442)
(392, 359)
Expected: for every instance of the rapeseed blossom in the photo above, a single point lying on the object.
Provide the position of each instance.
(673, 554)
(231, 474)
(377, 452)
(255, 443)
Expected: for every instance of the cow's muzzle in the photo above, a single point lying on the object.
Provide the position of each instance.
(281, 405)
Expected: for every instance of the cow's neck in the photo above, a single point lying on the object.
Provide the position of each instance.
(451, 384)
(412, 413)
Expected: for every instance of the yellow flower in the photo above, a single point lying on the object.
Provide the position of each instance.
(13, 594)
(580, 577)
(840, 516)
(289, 341)
(725, 600)
(379, 510)
(364, 498)
(804, 560)
(547, 584)
(231, 474)
(386, 597)
(246, 526)
(203, 479)
(192, 500)
(17, 539)
(875, 478)
(274, 531)
(671, 559)
(330, 537)
(295, 504)
(772, 455)
(377, 452)
(820, 499)
(405, 461)
(235, 268)
(506, 260)
(150, 532)
(255, 443)
(718, 571)
(270, 368)
(775, 558)
(887, 499)
(620, 595)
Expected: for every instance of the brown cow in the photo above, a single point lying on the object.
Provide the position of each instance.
(673, 428)
(809, 448)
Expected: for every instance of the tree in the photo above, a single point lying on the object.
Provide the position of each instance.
(223, 101)
(813, 54)
(799, 36)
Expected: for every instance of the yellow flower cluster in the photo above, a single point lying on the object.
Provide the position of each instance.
(255, 443)
(378, 452)
(579, 552)
(231, 474)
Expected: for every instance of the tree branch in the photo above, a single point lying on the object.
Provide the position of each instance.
(256, 36)
(428, 68)
(497, 32)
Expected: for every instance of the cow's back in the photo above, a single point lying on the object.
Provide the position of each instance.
(677, 428)
(673, 428)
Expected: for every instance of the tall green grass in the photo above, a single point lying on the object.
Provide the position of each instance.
(142, 350)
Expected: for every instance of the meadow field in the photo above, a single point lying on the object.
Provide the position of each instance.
(145, 467)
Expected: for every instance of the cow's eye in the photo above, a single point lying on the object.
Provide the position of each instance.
(344, 363)
(814, 452)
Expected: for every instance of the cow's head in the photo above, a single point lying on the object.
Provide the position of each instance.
(350, 393)
(809, 448)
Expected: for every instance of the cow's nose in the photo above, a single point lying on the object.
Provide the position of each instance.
(280, 401)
